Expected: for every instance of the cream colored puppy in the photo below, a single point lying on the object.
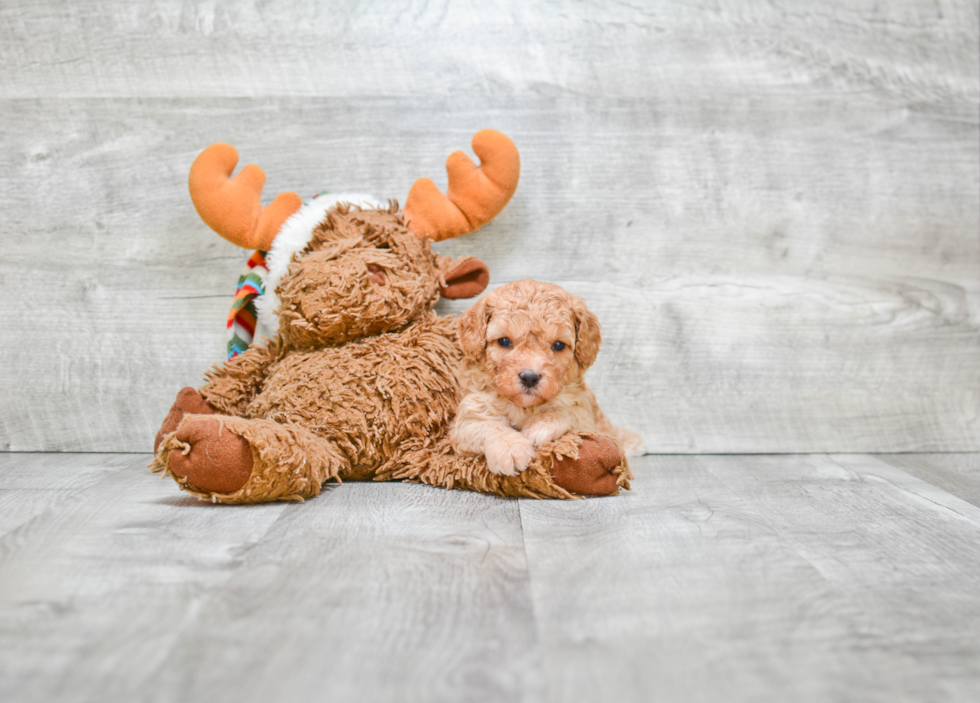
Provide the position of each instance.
(526, 346)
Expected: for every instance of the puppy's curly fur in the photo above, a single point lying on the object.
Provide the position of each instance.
(527, 346)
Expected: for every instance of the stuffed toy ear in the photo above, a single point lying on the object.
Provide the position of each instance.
(475, 194)
(473, 330)
(588, 338)
(466, 278)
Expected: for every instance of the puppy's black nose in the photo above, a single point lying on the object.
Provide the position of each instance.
(529, 378)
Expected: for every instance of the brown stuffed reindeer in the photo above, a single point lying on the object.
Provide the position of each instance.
(361, 380)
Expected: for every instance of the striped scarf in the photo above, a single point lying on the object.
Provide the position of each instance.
(242, 316)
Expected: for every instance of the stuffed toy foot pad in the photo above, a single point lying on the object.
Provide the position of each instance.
(593, 472)
(210, 457)
(188, 402)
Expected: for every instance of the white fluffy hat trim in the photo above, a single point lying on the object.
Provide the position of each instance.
(294, 235)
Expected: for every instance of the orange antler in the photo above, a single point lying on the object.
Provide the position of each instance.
(232, 206)
(474, 196)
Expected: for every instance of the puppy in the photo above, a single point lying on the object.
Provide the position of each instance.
(526, 347)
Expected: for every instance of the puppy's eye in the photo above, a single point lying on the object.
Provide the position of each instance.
(557, 346)
(504, 342)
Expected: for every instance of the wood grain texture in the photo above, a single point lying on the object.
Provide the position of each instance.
(34, 483)
(371, 592)
(380, 592)
(113, 48)
(958, 474)
(95, 591)
(759, 578)
(803, 578)
(773, 210)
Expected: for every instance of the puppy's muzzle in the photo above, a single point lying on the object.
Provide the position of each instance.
(529, 379)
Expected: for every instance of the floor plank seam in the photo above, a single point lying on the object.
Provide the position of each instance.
(771, 526)
(907, 489)
(208, 593)
(535, 619)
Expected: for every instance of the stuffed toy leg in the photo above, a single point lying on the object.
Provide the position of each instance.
(228, 459)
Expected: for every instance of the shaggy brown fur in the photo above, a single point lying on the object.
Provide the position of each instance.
(360, 383)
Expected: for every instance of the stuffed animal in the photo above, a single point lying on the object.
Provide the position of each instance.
(361, 380)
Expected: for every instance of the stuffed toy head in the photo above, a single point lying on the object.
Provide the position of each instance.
(344, 266)
(364, 273)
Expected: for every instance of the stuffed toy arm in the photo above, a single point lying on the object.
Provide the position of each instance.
(232, 385)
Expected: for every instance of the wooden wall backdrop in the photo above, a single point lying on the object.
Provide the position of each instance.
(774, 208)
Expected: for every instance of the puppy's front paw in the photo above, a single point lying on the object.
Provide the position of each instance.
(541, 432)
(510, 457)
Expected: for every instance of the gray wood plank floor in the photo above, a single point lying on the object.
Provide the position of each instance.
(738, 578)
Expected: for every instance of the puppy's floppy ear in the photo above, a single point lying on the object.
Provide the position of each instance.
(473, 329)
(588, 338)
